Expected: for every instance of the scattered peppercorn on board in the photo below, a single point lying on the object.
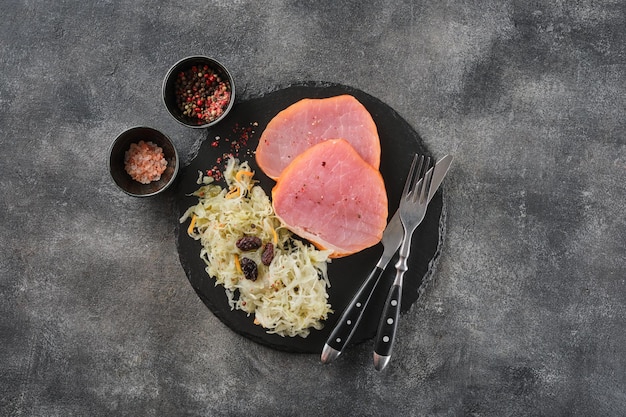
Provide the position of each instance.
(237, 135)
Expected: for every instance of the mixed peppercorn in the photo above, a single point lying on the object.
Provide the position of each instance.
(237, 146)
(202, 94)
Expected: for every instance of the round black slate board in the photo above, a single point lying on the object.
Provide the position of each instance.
(398, 142)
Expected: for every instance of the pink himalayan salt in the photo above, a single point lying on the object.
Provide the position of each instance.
(145, 162)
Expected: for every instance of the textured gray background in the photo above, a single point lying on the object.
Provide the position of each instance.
(526, 313)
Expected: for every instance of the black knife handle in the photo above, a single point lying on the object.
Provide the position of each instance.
(388, 322)
(349, 320)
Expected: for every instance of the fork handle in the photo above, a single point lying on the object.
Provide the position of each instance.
(387, 327)
(347, 324)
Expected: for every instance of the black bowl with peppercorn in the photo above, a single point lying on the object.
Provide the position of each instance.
(198, 91)
(143, 161)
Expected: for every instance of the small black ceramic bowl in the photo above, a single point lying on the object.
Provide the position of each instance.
(213, 97)
(117, 164)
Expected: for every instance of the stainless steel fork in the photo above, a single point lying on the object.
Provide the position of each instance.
(413, 205)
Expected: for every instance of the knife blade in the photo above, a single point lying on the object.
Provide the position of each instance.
(391, 240)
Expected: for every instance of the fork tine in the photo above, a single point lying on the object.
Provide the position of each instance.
(409, 178)
(418, 174)
(417, 179)
(426, 181)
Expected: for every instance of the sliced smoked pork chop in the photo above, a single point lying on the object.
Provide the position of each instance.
(330, 196)
(310, 121)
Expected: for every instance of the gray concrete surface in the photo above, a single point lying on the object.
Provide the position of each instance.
(526, 314)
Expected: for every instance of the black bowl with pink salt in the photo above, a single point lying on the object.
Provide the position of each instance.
(143, 161)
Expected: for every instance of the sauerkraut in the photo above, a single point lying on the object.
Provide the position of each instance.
(290, 296)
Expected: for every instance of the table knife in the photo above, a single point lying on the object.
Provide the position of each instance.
(391, 240)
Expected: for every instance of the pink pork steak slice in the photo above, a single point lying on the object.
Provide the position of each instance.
(330, 196)
(311, 121)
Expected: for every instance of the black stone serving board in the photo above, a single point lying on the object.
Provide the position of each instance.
(399, 142)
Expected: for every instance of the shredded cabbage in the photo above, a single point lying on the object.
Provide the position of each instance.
(289, 296)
